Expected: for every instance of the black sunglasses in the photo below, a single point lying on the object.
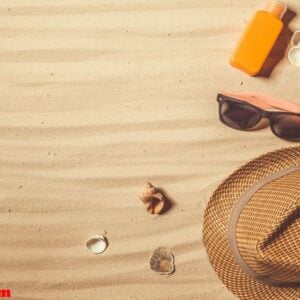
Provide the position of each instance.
(241, 115)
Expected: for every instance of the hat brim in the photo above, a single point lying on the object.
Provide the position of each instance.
(216, 219)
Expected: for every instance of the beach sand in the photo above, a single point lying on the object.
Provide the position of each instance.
(97, 98)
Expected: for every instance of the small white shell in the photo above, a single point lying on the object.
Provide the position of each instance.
(294, 56)
(296, 39)
(162, 261)
(97, 244)
(294, 52)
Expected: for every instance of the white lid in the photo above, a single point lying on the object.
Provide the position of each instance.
(277, 7)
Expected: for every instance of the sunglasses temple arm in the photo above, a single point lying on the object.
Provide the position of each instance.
(276, 103)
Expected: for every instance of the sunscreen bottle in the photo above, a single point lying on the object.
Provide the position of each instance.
(259, 38)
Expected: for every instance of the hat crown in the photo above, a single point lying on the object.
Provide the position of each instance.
(251, 228)
(268, 230)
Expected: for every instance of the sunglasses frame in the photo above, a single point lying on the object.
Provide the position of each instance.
(262, 114)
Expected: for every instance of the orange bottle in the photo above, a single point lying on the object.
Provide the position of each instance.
(259, 38)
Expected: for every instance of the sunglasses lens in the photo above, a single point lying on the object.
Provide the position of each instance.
(286, 126)
(238, 115)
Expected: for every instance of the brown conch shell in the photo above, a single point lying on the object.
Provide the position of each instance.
(162, 261)
(153, 199)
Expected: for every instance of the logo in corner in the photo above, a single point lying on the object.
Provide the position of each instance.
(5, 293)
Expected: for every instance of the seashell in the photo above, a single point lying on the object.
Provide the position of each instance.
(154, 200)
(294, 56)
(294, 52)
(97, 244)
(162, 261)
(296, 39)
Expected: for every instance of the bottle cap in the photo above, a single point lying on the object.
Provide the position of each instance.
(277, 8)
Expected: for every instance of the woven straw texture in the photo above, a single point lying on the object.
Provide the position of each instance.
(267, 232)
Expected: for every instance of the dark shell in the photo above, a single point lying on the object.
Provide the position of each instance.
(162, 261)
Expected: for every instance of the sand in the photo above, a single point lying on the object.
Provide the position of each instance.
(97, 98)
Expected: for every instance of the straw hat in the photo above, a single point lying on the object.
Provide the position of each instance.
(252, 228)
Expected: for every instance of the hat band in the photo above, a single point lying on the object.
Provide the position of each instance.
(233, 221)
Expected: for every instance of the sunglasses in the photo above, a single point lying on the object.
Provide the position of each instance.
(248, 111)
